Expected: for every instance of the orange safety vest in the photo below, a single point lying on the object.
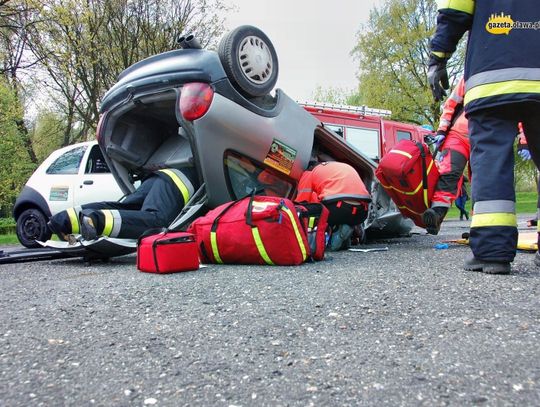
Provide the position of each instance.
(331, 181)
(453, 104)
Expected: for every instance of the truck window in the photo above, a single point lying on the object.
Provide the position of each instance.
(403, 135)
(365, 140)
(336, 129)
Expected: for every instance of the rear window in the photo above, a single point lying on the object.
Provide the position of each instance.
(245, 176)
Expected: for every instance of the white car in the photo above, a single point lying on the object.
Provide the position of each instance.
(70, 176)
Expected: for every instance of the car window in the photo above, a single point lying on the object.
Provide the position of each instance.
(365, 140)
(336, 129)
(245, 176)
(403, 135)
(68, 163)
(96, 163)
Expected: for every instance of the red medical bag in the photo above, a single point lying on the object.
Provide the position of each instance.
(167, 252)
(252, 230)
(409, 176)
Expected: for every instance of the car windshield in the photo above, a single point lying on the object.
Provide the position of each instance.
(245, 176)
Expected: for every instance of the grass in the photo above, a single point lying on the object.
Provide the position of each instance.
(525, 203)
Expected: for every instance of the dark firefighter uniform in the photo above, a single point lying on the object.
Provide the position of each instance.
(339, 187)
(502, 88)
(156, 203)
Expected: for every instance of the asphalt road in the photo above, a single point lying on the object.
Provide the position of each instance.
(405, 326)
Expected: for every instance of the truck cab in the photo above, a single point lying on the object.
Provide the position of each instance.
(366, 129)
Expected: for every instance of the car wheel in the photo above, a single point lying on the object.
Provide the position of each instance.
(32, 226)
(250, 60)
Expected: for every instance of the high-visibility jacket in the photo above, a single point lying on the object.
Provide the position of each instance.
(503, 51)
(332, 181)
(453, 115)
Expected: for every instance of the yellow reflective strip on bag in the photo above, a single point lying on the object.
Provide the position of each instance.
(109, 222)
(415, 190)
(493, 219)
(215, 250)
(406, 154)
(426, 200)
(467, 6)
(502, 88)
(296, 232)
(179, 184)
(74, 220)
(260, 246)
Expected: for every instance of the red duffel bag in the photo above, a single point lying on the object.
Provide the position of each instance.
(162, 251)
(409, 176)
(252, 230)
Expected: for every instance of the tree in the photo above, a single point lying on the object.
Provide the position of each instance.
(15, 165)
(84, 46)
(392, 54)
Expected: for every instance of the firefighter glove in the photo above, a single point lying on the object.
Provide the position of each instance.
(437, 77)
(525, 154)
(438, 140)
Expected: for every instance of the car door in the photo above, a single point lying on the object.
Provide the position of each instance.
(61, 179)
(95, 182)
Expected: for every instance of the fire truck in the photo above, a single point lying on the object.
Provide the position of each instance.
(366, 129)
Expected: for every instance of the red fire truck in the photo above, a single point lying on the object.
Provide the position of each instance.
(367, 129)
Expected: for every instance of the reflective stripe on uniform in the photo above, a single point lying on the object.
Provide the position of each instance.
(215, 250)
(181, 182)
(441, 54)
(117, 223)
(109, 222)
(296, 232)
(467, 6)
(494, 213)
(74, 220)
(260, 246)
(311, 222)
(537, 218)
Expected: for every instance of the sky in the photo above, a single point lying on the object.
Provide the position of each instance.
(313, 40)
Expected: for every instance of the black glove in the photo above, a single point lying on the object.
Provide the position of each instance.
(437, 77)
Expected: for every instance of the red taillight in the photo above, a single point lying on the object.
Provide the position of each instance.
(195, 99)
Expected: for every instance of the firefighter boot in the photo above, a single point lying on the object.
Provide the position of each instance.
(90, 224)
(433, 218)
(489, 267)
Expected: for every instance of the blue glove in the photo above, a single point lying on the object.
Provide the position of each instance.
(525, 154)
(438, 140)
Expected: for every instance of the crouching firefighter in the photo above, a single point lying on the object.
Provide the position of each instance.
(452, 143)
(338, 187)
(156, 203)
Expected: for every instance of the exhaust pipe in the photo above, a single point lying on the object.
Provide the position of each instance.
(189, 42)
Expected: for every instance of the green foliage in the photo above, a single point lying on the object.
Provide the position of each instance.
(15, 165)
(334, 95)
(392, 52)
(48, 133)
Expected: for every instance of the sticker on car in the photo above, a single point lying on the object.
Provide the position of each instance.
(59, 194)
(280, 157)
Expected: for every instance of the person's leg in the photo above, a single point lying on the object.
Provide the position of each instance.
(531, 128)
(451, 162)
(343, 217)
(493, 234)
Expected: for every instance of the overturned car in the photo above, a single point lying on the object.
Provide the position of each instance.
(214, 112)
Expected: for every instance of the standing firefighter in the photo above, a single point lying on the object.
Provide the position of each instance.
(502, 88)
(452, 140)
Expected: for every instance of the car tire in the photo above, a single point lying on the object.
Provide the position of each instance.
(250, 61)
(32, 226)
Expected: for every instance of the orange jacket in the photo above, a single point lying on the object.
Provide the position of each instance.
(331, 181)
(453, 104)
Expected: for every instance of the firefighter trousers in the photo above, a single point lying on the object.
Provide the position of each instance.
(494, 234)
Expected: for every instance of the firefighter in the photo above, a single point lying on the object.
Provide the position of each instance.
(502, 88)
(156, 203)
(452, 141)
(337, 186)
